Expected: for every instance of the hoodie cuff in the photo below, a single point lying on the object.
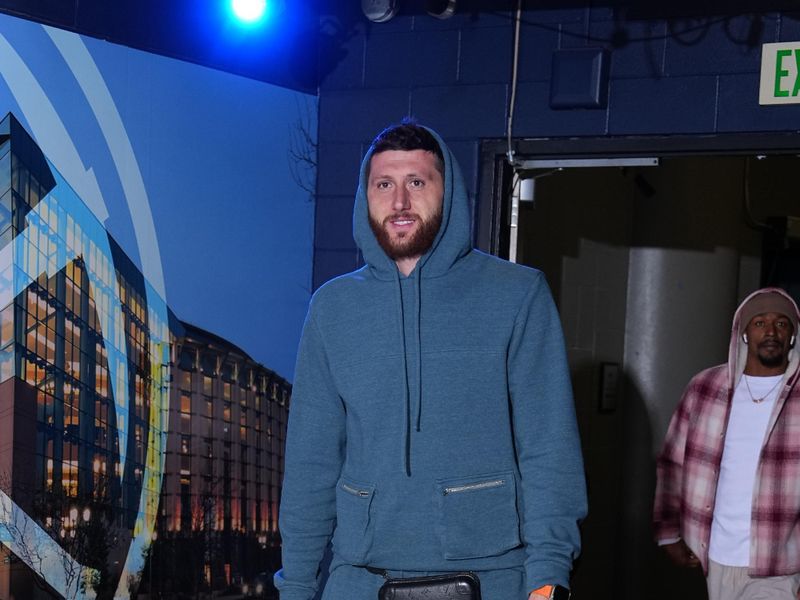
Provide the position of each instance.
(544, 573)
(287, 591)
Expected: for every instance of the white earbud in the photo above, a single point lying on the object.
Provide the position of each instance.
(791, 342)
(744, 338)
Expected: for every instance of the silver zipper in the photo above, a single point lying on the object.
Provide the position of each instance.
(468, 487)
(354, 491)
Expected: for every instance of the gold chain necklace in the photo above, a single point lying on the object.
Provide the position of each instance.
(760, 400)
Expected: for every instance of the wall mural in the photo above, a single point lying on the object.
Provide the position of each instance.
(58, 230)
(85, 330)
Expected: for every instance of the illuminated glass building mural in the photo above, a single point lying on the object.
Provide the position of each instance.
(218, 521)
(87, 377)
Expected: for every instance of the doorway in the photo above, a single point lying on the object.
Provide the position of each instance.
(647, 265)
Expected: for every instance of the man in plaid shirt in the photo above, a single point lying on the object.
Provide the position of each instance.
(728, 490)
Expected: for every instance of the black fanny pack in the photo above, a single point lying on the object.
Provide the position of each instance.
(451, 586)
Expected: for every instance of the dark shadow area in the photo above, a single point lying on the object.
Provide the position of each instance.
(688, 202)
(620, 559)
(639, 8)
(642, 569)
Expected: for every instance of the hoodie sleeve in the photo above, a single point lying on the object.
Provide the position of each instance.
(553, 499)
(315, 443)
(669, 474)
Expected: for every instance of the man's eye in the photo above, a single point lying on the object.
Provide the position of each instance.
(416, 183)
(382, 185)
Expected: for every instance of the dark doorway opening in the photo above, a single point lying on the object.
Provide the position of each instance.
(720, 217)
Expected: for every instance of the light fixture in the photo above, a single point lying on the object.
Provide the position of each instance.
(379, 11)
(249, 11)
(441, 9)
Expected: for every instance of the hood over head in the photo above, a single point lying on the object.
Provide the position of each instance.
(451, 243)
(766, 301)
(770, 299)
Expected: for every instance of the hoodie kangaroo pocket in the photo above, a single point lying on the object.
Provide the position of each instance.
(478, 515)
(353, 535)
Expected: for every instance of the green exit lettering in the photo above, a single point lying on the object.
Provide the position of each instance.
(781, 73)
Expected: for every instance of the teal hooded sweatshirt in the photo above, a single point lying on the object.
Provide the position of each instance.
(432, 425)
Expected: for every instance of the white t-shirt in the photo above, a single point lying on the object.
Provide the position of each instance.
(730, 528)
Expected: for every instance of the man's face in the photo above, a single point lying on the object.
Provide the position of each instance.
(404, 196)
(768, 337)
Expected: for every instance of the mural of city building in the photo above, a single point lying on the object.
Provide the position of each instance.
(218, 519)
(126, 437)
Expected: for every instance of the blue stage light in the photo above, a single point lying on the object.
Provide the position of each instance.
(249, 11)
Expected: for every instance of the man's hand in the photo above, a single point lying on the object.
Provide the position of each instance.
(680, 554)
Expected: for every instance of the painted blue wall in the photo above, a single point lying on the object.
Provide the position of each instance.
(188, 168)
(695, 75)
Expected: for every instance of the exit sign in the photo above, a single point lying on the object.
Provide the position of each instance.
(780, 73)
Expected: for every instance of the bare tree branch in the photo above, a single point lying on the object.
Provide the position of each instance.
(67, 552)
(303, 147)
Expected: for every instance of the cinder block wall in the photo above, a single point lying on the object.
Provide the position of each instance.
(669, 74)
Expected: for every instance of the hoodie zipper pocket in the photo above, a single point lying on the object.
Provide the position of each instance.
(469, 487)
(355, 491)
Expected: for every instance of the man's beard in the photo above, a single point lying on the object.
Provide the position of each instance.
(413, 245)
(772, 360)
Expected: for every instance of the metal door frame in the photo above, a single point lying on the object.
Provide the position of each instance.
(493, 206)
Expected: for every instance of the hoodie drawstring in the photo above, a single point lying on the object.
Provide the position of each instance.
(413, 412)
(406, 399)
(418, 399)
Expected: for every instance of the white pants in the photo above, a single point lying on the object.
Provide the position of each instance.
(733, 583)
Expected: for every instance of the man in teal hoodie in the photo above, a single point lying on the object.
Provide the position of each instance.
(432, 426)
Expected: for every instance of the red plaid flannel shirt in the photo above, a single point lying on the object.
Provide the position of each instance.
(688, 468)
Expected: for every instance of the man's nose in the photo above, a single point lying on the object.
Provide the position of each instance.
(401, 200)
